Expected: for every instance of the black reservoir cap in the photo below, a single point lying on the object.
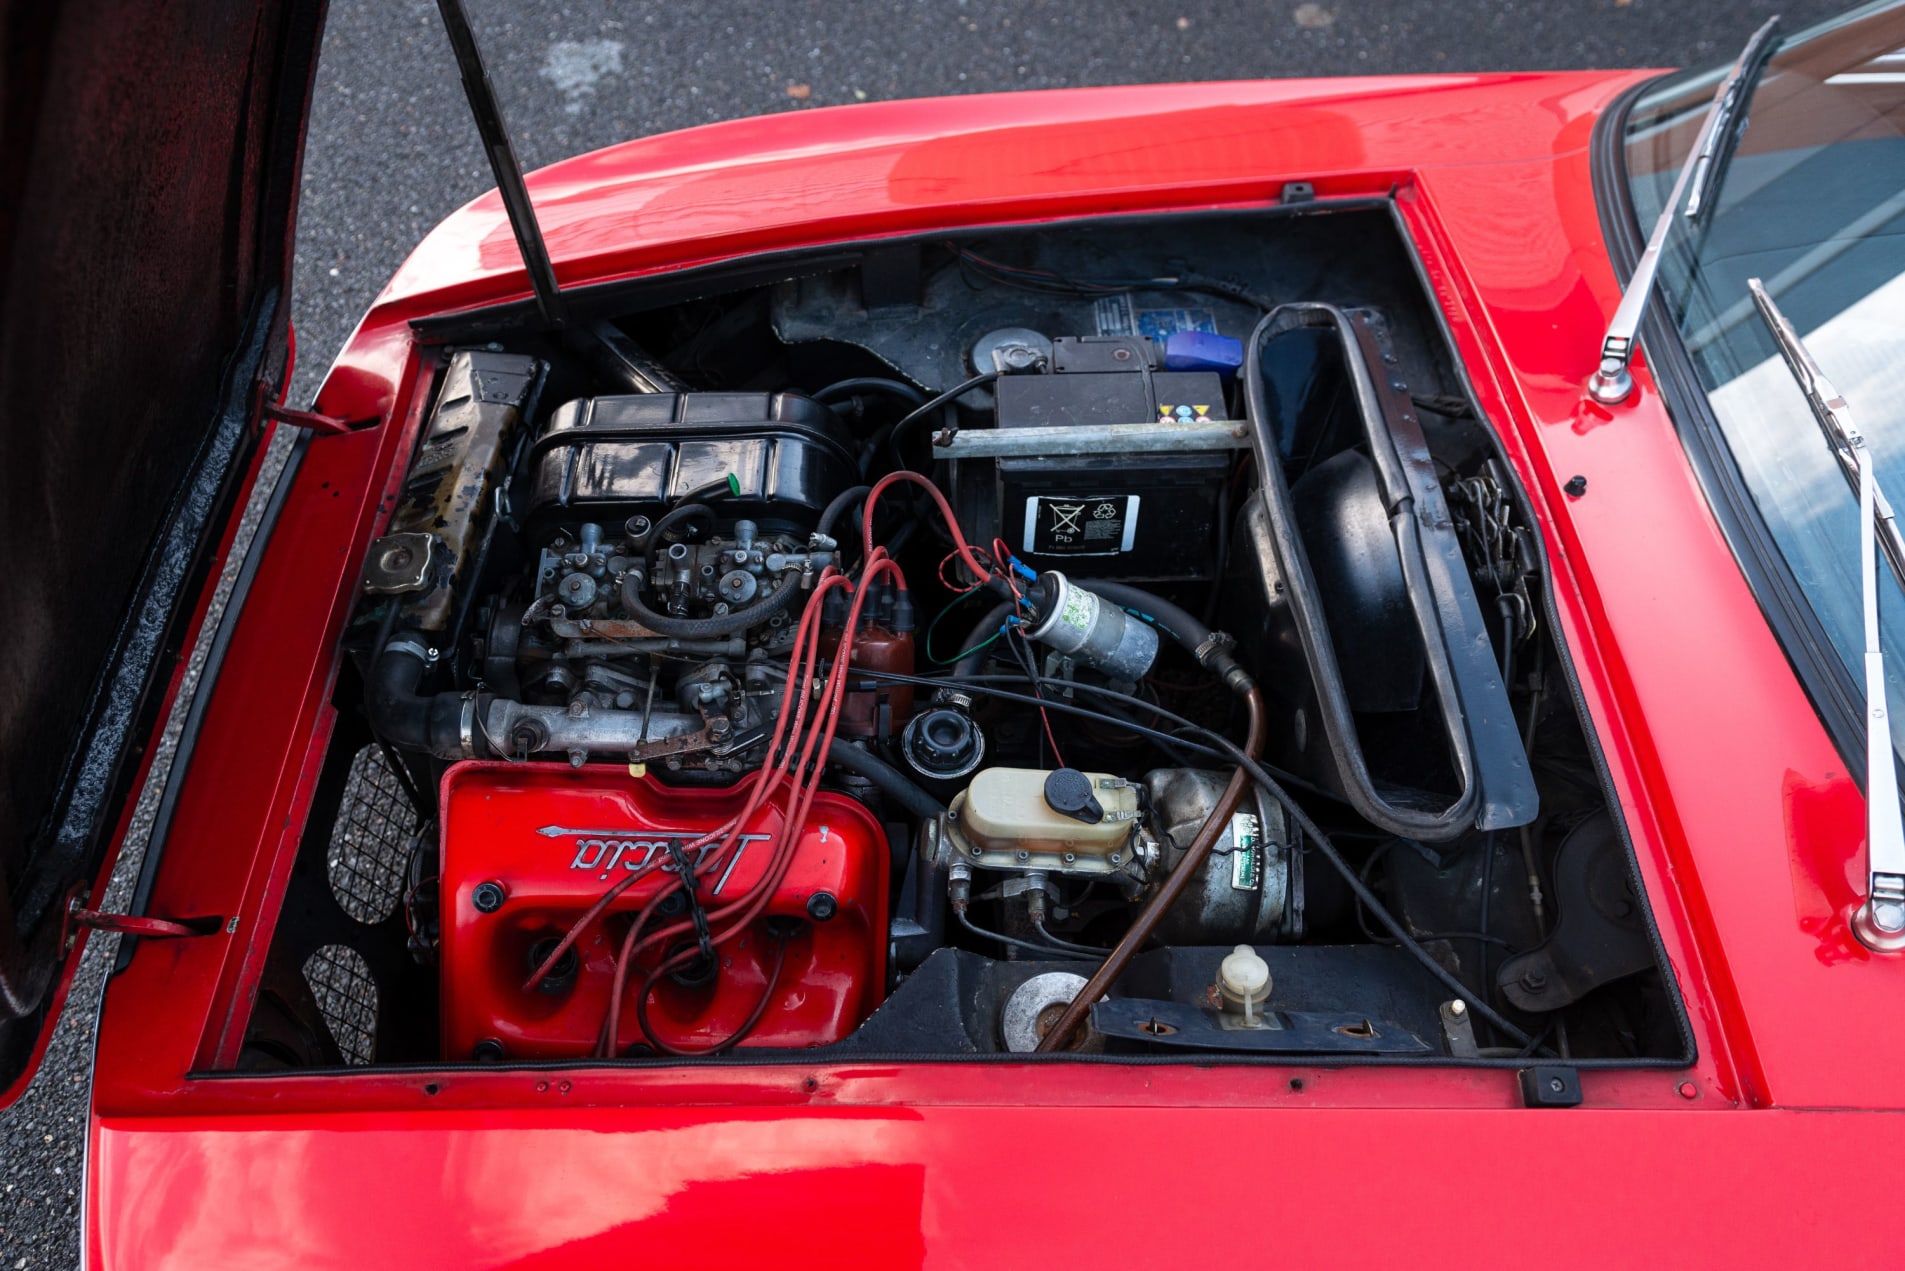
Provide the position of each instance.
(1068, 792)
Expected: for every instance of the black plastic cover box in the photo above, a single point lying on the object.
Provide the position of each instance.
(606, 459)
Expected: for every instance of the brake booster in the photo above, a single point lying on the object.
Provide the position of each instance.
(527, 849)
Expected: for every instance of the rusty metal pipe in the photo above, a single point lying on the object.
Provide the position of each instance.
(1174, 884)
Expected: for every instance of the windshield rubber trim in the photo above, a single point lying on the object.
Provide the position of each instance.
(1821, 672)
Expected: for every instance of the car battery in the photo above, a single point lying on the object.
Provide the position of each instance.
(1143, 514)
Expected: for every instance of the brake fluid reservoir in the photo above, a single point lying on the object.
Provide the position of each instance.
(1029, 818)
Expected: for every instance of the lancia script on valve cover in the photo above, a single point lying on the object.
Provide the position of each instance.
(1193, 669)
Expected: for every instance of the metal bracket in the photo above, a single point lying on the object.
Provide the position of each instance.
(1600, 935)
(1458, 1030)
(687, 743)
(1184, 1027)
(313, 422)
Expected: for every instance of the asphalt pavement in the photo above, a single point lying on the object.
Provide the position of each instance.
(392, 150)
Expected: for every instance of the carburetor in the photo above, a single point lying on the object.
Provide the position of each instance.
(593, 585)
(727, 573)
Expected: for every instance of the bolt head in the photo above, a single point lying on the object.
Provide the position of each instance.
(821, 906)
(488, 896)
(1611, 384)
(1889, 916)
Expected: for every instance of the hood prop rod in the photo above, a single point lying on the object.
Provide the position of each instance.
(488, 113)
(1879, 922)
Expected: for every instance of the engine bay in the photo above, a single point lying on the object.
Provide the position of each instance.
(1109, 640)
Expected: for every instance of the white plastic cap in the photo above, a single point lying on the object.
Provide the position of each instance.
(1244, 975)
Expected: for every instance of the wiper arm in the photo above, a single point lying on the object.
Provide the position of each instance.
(1879, 922)
(1612, 382)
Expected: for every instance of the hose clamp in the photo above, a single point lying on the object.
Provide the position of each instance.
(1213, 644)
(466, 724)
(411, 646)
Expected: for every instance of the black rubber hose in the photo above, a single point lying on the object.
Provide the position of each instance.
(1176, 622)
(891, 434)
(843, 503)
(975, 659)
(719, 488)
(870, 384)
(885, 777)
(399, 714)
(668, 521)
(702, 628)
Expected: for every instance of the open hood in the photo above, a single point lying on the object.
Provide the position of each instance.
(153, 154)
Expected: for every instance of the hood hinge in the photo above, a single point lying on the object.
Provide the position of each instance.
(78, 916)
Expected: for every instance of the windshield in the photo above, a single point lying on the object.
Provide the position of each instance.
(1813, 202)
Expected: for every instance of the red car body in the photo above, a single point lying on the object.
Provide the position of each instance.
(1769, 1148)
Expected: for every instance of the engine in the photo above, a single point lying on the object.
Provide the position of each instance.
(878, 677)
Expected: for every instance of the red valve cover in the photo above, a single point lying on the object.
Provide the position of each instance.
(554, 838)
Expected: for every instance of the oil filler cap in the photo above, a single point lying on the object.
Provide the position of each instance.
(1068, 792)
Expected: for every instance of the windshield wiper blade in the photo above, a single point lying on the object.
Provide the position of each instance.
(1611, 382)
(1879, 921)
(1727, 119)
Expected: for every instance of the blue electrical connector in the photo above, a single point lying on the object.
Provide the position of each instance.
(1202, 351)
